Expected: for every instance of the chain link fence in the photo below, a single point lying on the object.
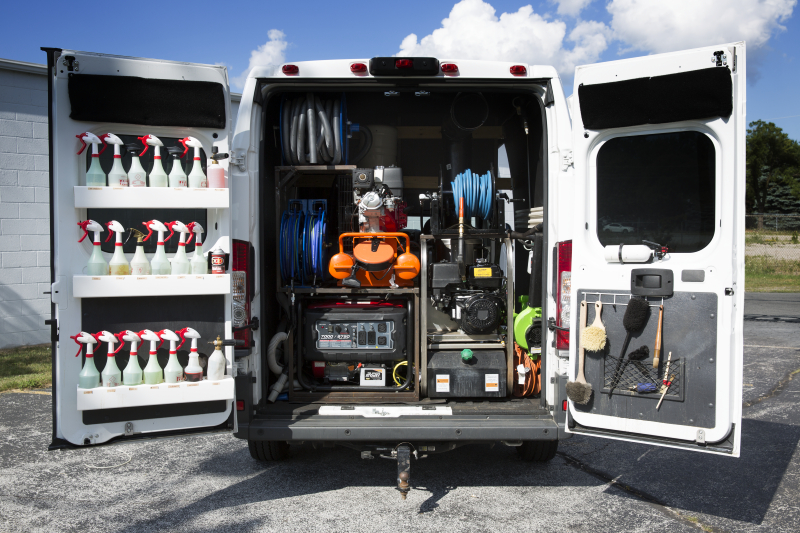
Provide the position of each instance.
(772, 244)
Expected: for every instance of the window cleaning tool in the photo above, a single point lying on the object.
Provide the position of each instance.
(158, 178)
(657, 350)
(137, 177)
(140, 266)
(89, 378)
(193, 370)
(111, 375)
(173, 372)
(117, 177)
(132, 375)
(198, 263)
(217, 362)
(96, 265)
(118, 266)
(177, 177)
(593, 338)
(95, 177)
(152, 371)
(216, 174)
(197, 178)
(579, 391)
(180, 262)
(634, 321)
(160, 264)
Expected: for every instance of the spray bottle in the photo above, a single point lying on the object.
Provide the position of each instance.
(173, 372)
(160, 264)
(216, 174)
(152, 370)
(117, 177)
(96, 265)
(137, 177)
(132, 375)
(89, 378)
(217, 362)
(111, 376)
(197, 179)
(177, 177)
(193, 370)
(118, 266)
(199, 265)
(95, 177)
(158, 178)
(140, 266)
(180, 262)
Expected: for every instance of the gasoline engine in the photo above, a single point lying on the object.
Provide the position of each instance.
(475, 302)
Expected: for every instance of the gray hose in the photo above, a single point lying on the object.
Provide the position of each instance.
(301, 136)
(337, 141)
(277, 388)
(294, 126)
(312, 131)
(278, 338)
(286, 118)
(326, 125)
(329, 114)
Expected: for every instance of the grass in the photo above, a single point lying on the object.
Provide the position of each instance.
(767, 274)
(25, 367)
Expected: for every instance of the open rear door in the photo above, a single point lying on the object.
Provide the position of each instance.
(659, 152)
(132, 98)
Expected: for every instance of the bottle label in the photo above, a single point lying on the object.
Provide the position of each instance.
(138, 180)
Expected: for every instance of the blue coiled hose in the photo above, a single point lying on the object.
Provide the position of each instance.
(477, 193)
(301, 246)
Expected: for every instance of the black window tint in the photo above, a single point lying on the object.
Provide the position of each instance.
(659, 188)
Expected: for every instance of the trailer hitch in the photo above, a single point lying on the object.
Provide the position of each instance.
(403, 469)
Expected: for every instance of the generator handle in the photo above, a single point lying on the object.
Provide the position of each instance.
(393, 235)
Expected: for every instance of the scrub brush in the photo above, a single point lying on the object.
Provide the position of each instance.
(593, 338)
(634, 321)
(579, 391)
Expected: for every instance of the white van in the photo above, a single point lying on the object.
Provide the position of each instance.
(468, 328)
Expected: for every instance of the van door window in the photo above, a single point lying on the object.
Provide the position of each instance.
(657, 187)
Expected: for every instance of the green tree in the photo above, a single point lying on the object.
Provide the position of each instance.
(772, 159)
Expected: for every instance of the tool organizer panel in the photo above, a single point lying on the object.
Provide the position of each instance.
(689, 331)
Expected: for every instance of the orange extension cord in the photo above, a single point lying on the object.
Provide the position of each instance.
(533, 382)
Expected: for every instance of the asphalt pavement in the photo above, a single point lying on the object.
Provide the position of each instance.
(210, 483)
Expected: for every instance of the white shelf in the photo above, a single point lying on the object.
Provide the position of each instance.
(188, 284)
(151, 197)
(164, 393)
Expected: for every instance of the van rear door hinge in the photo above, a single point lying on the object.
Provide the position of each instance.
(566, 160)
(238, 160)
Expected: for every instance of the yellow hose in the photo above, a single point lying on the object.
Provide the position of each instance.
(394, 372)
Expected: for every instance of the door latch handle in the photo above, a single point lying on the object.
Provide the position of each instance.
(551, 325)
(254, 324)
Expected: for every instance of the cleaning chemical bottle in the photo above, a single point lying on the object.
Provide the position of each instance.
(137, 177)
(152, 370)
(118, 266)
(117, 177)
(198, 261)
(96, 265)
(193, 370)
(89, 378)
(180, 262)
(140, 266)
(177, 177)
(197, 179)
(111, 376)
(95, 177)
(158, 178)
(160, 264)
(132, 375)
(216, 362)
(173, 372)
(216, 174)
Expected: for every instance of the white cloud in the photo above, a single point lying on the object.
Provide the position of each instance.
(571, 8)
(271, 53)
(473, 31)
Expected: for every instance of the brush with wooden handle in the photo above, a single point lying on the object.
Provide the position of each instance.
(657, 354)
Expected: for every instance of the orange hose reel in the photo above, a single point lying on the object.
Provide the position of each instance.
(375, 259)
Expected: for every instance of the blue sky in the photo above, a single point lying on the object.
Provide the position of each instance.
(217, 32)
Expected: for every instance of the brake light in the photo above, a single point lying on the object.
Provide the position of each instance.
(449, 68)
(564, 273)
(290, 69)
(564, 405)
(242, 285)
(240, 405)
(358, 67)
(519, 70)
(404, 63)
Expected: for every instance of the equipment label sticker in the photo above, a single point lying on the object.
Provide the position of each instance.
(492, 382)
(373, 374)
(442, 383)
(482, 272)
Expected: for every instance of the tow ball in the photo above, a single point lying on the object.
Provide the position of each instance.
(403, 453)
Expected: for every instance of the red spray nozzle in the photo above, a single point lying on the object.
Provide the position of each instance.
(97, 338)
(171, 230)
(181, 333)
(105, 145)
(185, 148)
(190, 226)
(144, 142)
(80, 346)
(121, 343)
(149, 230)
(159, 333)
(83, 143)
(110, 231)
(85, 227)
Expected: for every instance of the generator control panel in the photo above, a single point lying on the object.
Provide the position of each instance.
(355, 335)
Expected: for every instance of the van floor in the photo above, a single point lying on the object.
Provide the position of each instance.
(514, 406)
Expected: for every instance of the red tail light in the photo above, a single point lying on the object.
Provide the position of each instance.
(240, 405)
(449, 68)
(564, 405)
(358, 67)
(519, 70)
(290, 69)
(242, 282)
(404, 63)
(564, 281)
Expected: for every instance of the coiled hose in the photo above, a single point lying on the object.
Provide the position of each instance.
(477, 193)
(301, 245)
(311, 131)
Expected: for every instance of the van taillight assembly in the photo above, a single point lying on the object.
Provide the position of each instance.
(519, 70)
(242, 286)
(450, 68)
(404, 63)
(564, 273)
(358, 67)
(290, 69)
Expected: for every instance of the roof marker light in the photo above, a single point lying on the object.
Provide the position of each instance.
(450, 68)
(358, 67)
(290, 69)
(519, 70)
(404, 63)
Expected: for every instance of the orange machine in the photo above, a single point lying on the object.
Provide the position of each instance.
(375, 261)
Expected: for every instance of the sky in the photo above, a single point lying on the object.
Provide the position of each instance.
(562, 33)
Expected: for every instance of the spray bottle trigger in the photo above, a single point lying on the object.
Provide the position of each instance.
(110, 231)
(85, 227)
(80, 346)
(185, 148)
(149, 230)
(144, 142)
(190, 226)
(105, 145)
(181, 333)
(171, 230)
(121, 343)
(158, 334)
(83, 143)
